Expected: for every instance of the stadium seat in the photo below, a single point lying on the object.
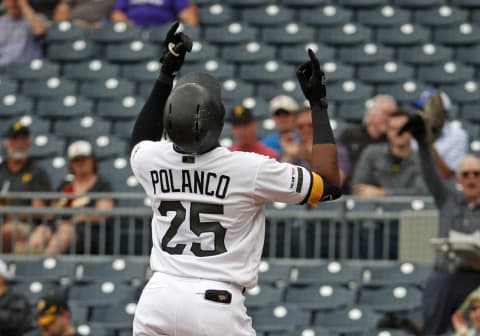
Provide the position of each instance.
(457, 35)
(111, 88)
(35, 69)
(102, 293)
(52, 87)
(119, 174)
(355, 319)
(404, 35)
(358, 4)
(90, 329)
(392, 299)
(232, 33)
(35, 289)
(246, 3)
(142, 71)
(325, 16)
(114, 317)
(123, 129)
(291, 33)
(446, 73)
(468, 4)
(56, 169)
(332, 273)
(44, 269)
(302, 3)
(233, 88)
(125, 108)
(12, 105)
(388, 72)
(351, 112)
(7, 86)
(271, 15)
(289, 87)
(266, 72)
(72, 51)
(64, 31)
(468, 54)
(397, 274)
(463, 93)
(87, 127)
(427, 54)
(349, 91)
(92, 70)
(313, 331)
(406, 92)
(36, 124)
(297, 54)
(365, 54)
(202, 51)
(273, 273)
(215, 14)
(263, 295)
(418, 4)
(346, 35)
(64, 107)
(258, 105)
(131, 52)
(116, 33)
(321, 297)
(385, 16)
(282, 317)
(215, 67)
(47, 146)
(107, 146)
(119, 269)
(251, 52)
(442, 16)
(469, 112)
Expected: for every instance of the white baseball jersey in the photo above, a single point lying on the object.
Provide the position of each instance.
(208, 210)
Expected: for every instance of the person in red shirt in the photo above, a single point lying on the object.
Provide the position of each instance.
(244, 131)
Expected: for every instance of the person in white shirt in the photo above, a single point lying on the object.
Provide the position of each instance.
(208, 203)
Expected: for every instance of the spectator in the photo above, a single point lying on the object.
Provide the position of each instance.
(53, 316)
(244, 130)
(458, 211)
(20, 31)
(83, 166)
(451, 143)
(14, 308)
(147, 13)
(373, 129)
(282, 109)
(19, 173)
(87, 13)
(466, 320)
(391, 168)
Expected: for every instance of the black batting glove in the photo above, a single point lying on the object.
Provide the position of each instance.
(312, 80)
(175, 46)
(417, 127)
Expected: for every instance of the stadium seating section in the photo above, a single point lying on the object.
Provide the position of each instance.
(92, 84)
(328, 298)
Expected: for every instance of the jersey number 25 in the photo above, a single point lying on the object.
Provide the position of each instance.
(197, 227)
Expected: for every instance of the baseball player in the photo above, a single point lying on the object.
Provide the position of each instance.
(208, 203)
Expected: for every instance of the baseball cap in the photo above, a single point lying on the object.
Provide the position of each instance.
(427, 94)
(17, 129)
(4, 270)
(241, 115)
(79, 148)
(49, 306)
(283, 103)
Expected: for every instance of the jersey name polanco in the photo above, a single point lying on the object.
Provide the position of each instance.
(208, 210)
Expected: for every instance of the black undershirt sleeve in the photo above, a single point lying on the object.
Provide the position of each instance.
(149, 123)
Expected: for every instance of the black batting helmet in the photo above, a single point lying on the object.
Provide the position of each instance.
(194, 113)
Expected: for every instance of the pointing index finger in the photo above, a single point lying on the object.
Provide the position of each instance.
(315, 63)
(172, 30)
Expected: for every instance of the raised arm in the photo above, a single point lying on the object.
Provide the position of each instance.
(149, 123)
(431, 175)
(324, 150)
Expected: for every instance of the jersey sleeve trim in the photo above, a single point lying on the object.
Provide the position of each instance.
(316, 191)
(299, 180)
(309, 190)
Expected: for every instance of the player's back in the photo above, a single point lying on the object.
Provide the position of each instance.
(209, 209)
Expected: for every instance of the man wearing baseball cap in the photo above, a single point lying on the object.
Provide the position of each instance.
(244, 130)
(450, 142)
(53, 316)
(282, 109)
(18, 173)
(14, 307)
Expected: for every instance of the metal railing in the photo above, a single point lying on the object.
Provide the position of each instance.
(349, 228)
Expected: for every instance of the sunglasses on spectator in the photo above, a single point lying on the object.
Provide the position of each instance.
(466, 173)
